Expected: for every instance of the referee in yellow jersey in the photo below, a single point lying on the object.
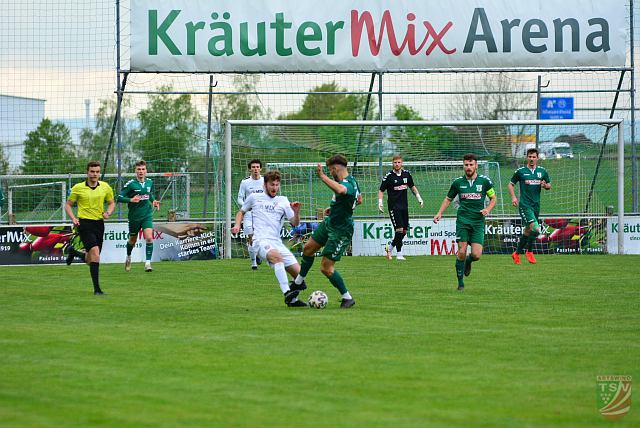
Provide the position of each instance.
(90, 195)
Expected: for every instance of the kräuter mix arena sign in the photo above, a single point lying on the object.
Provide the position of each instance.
(368, 35)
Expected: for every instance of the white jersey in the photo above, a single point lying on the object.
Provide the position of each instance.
(268, 215)
(249, 186)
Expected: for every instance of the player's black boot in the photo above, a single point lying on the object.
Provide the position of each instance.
(290, 296)
(347, 303)
(298, 287)
(297, 303)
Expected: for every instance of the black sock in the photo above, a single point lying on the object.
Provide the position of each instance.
(397, 241)
(400, 238)
(94, 268)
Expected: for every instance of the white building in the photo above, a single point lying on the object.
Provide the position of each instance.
(18, 117)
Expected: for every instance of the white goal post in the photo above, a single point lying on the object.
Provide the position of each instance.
(614, 155)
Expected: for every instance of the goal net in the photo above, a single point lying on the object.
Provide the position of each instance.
(37, 202)
(580, 156)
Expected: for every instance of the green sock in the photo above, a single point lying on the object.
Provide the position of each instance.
(532, 239)
(305, 266)
(337, 281)
(149, 250)
(522, 243)
(129, 248)
(460, 271)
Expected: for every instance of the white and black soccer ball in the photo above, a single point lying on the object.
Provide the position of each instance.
(318, 299)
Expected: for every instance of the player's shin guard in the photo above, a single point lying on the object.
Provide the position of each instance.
(460, 271)
(149, 251)
(129, 248)
(281, 275)
(399, 237)
(252, 255)
(533, 235)
(94, 269)
(397, 241)
(305, 266)
(524, 239)
(337, 281)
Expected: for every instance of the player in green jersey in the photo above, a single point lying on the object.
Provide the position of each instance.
(471, 189)
(532, 179)
(335, 232)
(137, 193)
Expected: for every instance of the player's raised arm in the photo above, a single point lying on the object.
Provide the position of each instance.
(294, 219)
(332, 184)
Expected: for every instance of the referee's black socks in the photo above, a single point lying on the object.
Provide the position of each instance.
(94, 268)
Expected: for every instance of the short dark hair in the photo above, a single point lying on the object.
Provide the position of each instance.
(141, 163)
(470, 156)
(533, 150)
(252, 161)
(272, 176)
(337, 159)
(92, 164)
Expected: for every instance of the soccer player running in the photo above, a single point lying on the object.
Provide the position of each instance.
(396, 183)
(269, 210)
(90, 195)
(532, 179)
(138, 195)
(471, 190)
(335, 231)
(253, 183)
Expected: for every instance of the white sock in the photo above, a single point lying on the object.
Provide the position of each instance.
(252, 255)
(147, 261)
(347, 296)
(299, 279)
(399, 253)
(281, 274)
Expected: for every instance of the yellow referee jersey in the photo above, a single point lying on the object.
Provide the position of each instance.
(91, 201)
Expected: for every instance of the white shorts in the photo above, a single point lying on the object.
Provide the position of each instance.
(247, 223)
(262, 247)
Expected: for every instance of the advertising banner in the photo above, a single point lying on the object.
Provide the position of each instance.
(365, 35)
(45, 244)
(558, 235)
(631, 230)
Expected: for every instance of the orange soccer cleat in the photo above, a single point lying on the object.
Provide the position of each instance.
(530, 257)
(516, 258)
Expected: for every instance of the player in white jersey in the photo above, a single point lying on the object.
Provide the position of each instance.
(254, 183)
(269, 210)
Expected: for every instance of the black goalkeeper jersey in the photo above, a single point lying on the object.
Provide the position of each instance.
(396, 187)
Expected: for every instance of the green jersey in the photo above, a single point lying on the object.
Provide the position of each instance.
(530, 185)
(471, 194)
(143, 208)
(342, 206)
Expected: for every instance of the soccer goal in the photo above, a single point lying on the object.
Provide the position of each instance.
(586, 169)
(37, 202)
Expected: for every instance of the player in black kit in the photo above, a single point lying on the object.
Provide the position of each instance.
(396, 183)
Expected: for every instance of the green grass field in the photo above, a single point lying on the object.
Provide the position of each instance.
(200, 344)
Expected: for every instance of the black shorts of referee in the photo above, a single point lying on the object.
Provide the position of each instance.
(399, 218)
(91, 232)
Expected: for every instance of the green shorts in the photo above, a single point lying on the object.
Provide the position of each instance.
(136, 225)
(335, 242)
(473, 233)
(528, 215)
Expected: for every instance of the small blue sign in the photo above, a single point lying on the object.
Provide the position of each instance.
(556, 108)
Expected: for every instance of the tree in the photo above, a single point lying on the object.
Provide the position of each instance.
(4, 162)
(335, 105)
(422, 142)
(498, 99)
(168, 131)
(49, 149)
(94, 143)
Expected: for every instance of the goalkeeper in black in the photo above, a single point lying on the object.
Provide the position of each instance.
(396, 183)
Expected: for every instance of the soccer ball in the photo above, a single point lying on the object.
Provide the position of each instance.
(318, 299)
